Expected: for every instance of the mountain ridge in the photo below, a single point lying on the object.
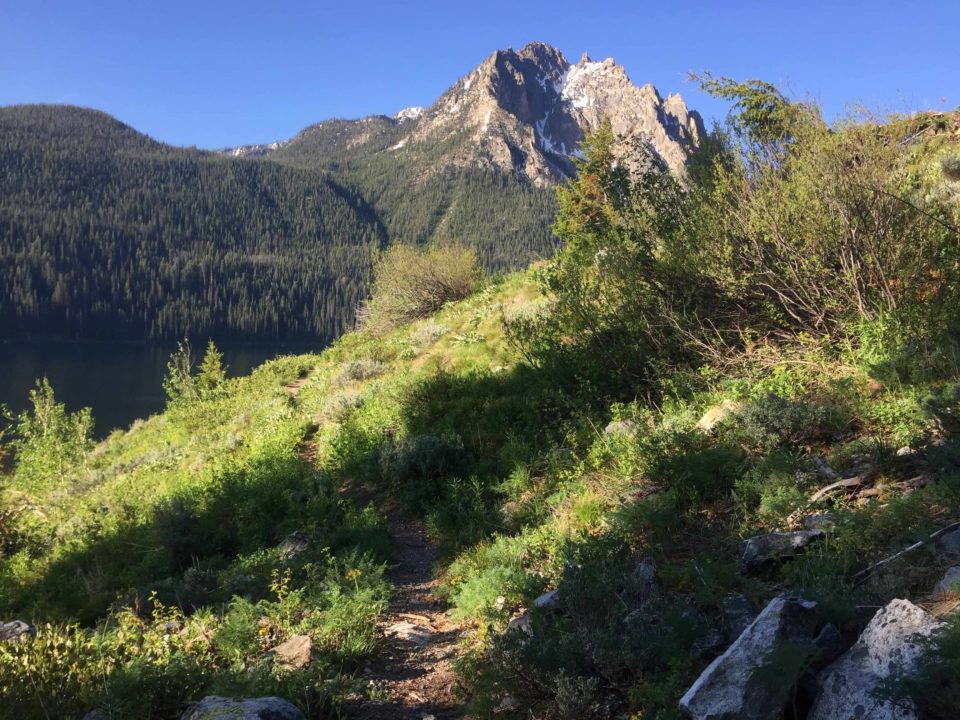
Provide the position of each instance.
(525, 112)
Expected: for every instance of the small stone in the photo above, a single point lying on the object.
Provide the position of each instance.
(295, 652)
(500, 603)
(757, 551)
(404, 630)
(950, 583)
(16, 630)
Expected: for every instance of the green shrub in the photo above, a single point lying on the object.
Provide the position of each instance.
(179, 383)
(363, 369)
(774, 421)
(410, 283)
(464, 516)
(417, 466)
(51, 442)
(951, 167)
(692, 468)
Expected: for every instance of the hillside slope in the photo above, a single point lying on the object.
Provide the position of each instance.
(704, 463)
(259, 494)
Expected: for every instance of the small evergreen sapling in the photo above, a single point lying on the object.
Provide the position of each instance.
(212, 373)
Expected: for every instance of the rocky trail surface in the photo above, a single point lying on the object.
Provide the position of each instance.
(411, 675)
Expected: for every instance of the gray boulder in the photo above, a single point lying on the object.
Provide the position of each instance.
(219, 708)
(293, 544)
(949, 544)
(757, 551)
(745, 682)
(950, 583)
(738, 612)
(15, 630)
(887, 647)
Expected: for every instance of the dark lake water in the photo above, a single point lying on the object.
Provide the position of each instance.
(121, 382)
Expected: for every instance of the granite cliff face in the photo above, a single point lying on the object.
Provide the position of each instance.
(521, 111)
(527, 111)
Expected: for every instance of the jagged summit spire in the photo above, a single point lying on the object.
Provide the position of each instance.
(525, 111)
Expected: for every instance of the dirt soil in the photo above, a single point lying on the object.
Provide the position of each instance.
(412, 672)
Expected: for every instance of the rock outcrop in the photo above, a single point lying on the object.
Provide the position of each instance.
(758, 551)
(526, 111)
(949, 583)
(15, 630)
(746, 681)
(220, 708)
(887, 647)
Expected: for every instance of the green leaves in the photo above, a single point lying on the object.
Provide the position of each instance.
(614, 278)
(50, 442)
(183, 385)
(410, 283)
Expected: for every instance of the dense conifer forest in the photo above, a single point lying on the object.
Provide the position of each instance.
(105, 233)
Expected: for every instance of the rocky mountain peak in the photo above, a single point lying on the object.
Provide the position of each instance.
(526, 111)
(520, 111)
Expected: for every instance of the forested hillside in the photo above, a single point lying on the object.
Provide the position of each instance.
(105, 233)
(421, 199)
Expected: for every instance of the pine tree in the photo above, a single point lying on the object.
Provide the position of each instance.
(212, 374)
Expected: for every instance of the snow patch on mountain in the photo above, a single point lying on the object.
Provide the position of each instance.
(410, 113)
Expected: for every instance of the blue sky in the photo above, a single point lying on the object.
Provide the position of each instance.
(221, 74)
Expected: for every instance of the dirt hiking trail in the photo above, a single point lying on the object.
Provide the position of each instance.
(411, 674)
